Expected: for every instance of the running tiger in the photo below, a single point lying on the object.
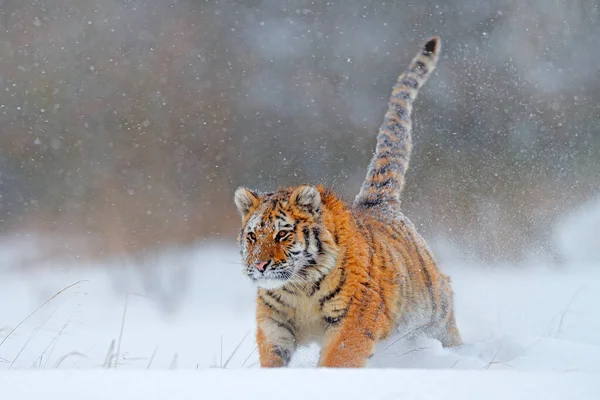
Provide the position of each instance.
(346, 276)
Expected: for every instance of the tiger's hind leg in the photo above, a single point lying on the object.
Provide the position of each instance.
(445, 330)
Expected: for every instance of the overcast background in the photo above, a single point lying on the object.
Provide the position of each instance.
(126, 125)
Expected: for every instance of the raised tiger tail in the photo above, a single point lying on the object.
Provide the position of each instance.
(385, 176)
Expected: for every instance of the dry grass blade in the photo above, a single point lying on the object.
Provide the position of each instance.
(500, 363)
(118, 353)
(71, 354)
(173, 364)
(236, 349)
(39, 308)
(121, 332)
(564, 313)
(405, 335)
(109, 354)
(152, 358)
(249, 355)
(221, 362)
(51, 344)
(407, 352)
(493, 360)
(30, 338)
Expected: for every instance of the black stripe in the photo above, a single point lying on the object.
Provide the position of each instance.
(397, 126)
(277, 298)
(310, 260)
(395, 233)
(287, 290)
(410, 82)
(384, 140)
(335, 291)
(283, 353)
(336, 319)
(306, 234)
(384, 183)
(333, 320)
(303, 273)
(392, 165)
(310, 265)
(369, 334)
(396, 151)
(270, 305)
(284, 326)
(404, 95)
(316, 286)
(318, 239)
(367, 203)
(401, 111)
(293, 252)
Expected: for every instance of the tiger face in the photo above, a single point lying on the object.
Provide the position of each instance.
(283, 239)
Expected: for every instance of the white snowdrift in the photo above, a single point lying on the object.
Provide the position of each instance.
(538, 325)
(298, 384)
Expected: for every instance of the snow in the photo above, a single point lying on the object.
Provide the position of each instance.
(576, 234)
(534, 318)
(529, 331)
(300, 384)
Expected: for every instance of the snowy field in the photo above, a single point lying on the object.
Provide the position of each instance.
(529, 332)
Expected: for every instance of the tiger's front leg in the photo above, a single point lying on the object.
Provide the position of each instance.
(351, 336)
(275, 337)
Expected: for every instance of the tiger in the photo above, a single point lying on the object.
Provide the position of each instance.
(346, 276)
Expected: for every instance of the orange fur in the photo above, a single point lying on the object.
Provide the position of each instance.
(345, 276)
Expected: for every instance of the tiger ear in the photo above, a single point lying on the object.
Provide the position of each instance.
(245, 200)
(308, 198)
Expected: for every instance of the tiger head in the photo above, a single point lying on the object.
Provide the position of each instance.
(283, 237)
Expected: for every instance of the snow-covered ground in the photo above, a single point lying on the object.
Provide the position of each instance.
(535, 318)
(303, 384)
(539, 324)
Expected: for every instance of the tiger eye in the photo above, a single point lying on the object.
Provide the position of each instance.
(281, 234)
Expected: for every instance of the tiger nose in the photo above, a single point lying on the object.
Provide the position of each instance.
(261, 265)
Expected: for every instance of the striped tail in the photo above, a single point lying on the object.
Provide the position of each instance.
(385, 176)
